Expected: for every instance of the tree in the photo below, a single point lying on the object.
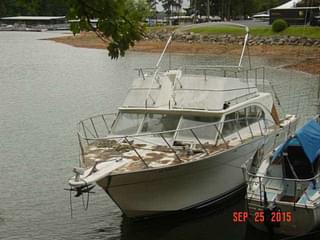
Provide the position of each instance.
(309, 3)
(232, 8)
(152, 4)
(10, 8)
(3, 9)
(153, 7)
(119, 22)
(33, 7)
(168, 5)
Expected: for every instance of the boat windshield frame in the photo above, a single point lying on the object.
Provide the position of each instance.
(88, 127)
(179, 119)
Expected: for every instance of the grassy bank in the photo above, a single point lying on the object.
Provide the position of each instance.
(295, 31)
(265, 31)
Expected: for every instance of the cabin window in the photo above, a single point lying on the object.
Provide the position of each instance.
(254, 114)
(208, 132)
(127, 123)
(160, 122)
(241, 119)
(229, 126)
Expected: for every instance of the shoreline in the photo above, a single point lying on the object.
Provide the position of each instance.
(305, 58)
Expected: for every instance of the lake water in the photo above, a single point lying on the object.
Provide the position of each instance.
(45, 89)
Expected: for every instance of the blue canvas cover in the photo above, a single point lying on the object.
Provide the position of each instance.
(308, 137)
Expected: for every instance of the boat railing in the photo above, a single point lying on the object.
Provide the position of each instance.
(196, 136)
(250, 75)
(289, 190)
(254, 76)
(96, 126)
(143, 72)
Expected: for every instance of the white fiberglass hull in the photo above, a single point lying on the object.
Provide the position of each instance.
(180, 187)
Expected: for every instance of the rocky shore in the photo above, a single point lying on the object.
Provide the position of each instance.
(191, 37)
(303, 52)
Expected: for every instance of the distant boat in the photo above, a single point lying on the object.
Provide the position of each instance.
(265, 16)
(285, 187)
(262, 16)
(180, 138)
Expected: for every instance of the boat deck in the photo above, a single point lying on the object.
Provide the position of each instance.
(156, 152)
(142, 155)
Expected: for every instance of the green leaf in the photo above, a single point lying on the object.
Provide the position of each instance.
(120, 21)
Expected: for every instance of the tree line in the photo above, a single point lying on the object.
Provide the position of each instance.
(33, 7)
(309, 3)
(227, 8)
(233, 8)
(223, 8)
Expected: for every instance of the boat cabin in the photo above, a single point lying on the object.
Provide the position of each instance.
(175, 101)
(171, 122)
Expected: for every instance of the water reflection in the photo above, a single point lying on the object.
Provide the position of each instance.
(215, 222)
(204, 225)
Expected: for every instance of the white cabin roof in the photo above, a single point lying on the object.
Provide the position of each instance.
(198, 92)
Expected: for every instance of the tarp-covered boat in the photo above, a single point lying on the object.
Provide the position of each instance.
(286, 187)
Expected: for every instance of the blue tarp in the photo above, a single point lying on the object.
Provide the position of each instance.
(308, 137)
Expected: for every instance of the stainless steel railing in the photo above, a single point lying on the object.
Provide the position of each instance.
(298, 186)
(249, 75)
(254, 75)
(88, 134)
(96, 126)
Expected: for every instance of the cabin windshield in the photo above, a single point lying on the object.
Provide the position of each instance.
(132, 123)
(206, 132)
(127, 123)
(160, 122)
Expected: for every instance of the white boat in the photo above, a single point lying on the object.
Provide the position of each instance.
(261, 16)
(179, 139)
(285, 190)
